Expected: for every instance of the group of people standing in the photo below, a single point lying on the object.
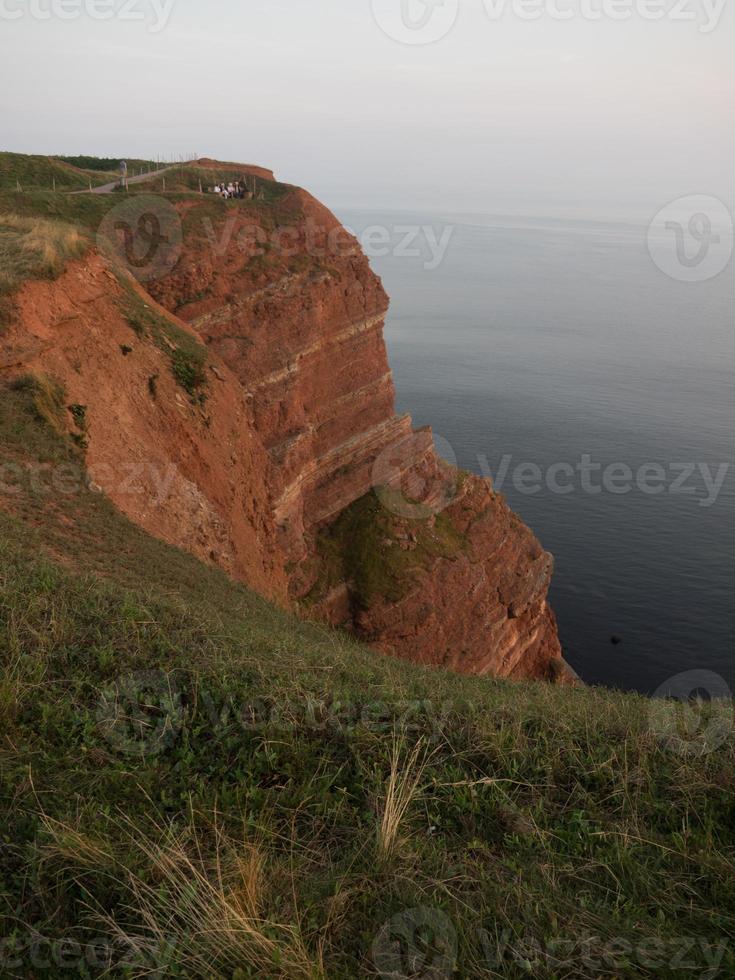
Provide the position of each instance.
(239, 189)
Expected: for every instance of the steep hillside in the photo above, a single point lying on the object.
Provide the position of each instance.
(167, 435)
(195, 784)
(247, 381)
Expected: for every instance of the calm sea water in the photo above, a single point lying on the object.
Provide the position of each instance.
(542, 342)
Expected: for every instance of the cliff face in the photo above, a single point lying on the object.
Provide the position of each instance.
(191, 474)
(295, 473)
(301, 326)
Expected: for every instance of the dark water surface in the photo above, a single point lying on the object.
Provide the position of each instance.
(544, 341)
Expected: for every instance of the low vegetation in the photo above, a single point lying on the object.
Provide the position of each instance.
(190, 177)
(45, 398)
(377, 552)
(34, 248)
(194, 784)
(110, 166)
(187, 355)
(34, 173)
(84, 211)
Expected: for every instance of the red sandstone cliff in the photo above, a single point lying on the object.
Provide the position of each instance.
(194, 476)
(270, 475)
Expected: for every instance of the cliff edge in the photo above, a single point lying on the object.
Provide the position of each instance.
(240, 405)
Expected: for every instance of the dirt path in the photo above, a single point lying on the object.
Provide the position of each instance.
(140, 179)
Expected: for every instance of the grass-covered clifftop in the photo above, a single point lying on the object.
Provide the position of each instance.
(45, 173)
(194, 783)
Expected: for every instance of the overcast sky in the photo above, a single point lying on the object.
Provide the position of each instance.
(581, 117)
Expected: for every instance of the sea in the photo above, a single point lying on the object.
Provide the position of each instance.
(591, 374)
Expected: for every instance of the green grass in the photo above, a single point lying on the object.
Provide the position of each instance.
(110, 166)
(46, 398)
(227, 792)
(187, 355)
(377, 552)
(188, 177)
(84, 211)
(33, 248)
(40, 172)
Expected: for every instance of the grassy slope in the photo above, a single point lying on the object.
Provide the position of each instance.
(187, 177)
(184, 763)
(35, 248)
(39, 234)
(108, 165)
(39, 173)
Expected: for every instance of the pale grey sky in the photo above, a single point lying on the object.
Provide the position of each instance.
(594, 117)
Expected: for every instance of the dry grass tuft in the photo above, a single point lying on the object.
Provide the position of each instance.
(35, 248)
(48, 397)
(67, 843)
(406, 772)
(203, 910)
